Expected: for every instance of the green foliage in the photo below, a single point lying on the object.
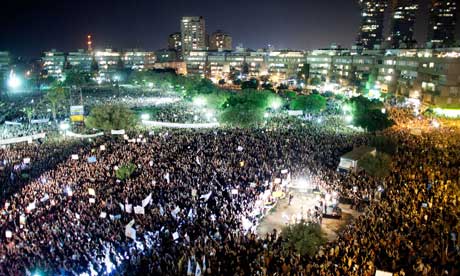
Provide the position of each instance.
(290, 95)
(125, 171)
(76, 78)
(29, 112)
(56, 97)
(368, 114)
(313, 103)
(315, 81)
(376, 166)
(108, 117)
(248, 107)
(240, 115)
(250, 84)
(217, 100)
(303, 238)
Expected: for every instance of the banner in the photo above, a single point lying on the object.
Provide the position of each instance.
(118, 132)
(178, 125)
(26, 160)
(23, 139)
(206, 196)
(76, 135)
(130, 232)
(92, 159)
(77, 113)
(175, 212)
(103, 215)
(45, 198)
(234, 191)
(40, 121)
(74, 156)
(22, 219)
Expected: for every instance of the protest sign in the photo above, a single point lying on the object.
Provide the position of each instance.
(103, 215)
(74, 156)
(26, 160)
(147, 200)
(175, 235)
(129, 208)
(92, 200)
(22, 219)
(139, 210)
(92, 159)
(234, 191)
(8, 234)
(91, 191)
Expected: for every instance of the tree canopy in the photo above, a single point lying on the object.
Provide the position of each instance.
(108, 117)
(303, 238)
(376, 166)
(368, 114)
(125, 171)
(313, 103)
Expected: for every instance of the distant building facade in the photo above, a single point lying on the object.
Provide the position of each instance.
(372, 22)
(193, 34)
(220, 41)
(403, 23)
(53, 63)
(443, 21)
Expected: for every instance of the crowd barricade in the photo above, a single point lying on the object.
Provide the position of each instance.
(23, 139)
(179, 125)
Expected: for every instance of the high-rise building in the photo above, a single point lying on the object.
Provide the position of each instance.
(193, 34)
(5, 61)
(53, 63)
(175, 42)
(403, 23)
(443, 20)
(80, 61)
(220, 41)
(372, 14)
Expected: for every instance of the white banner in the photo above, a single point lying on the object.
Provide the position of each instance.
(118, 132)
(22, 139)
(40, 121)
(129, 208)
(91, 191)
(177, 125)
(74, 156)
(76, 135)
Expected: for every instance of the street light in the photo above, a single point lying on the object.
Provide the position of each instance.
(145, 117)
(276, 103)
(64, 126)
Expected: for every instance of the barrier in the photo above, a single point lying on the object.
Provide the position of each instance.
(179, 125)
(76, 135)
(23, 139)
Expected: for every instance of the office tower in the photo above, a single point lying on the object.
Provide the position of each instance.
(372, 14)
(403, 23)
(220, 41)
(443, 20)
(193, 34)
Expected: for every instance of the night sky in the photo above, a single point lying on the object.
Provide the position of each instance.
(30, 27)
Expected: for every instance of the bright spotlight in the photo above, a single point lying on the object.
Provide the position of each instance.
(150, 84)
(349, 118)
(64, 126)
(145, 116)
(199, 101)
(13, 81)
(276, 104)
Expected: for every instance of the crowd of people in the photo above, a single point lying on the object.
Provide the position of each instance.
(190, 206)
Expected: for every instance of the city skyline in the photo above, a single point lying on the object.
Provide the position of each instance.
(32, 28)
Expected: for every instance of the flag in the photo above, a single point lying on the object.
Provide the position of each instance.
(22, 219)
(122, 206)
(197, 159)
(175, 212)
(198, 270)
(206, 196)
(129, 208)
(189, 268)
(166, 176)
(45, 198)
(147, 200)
(30, 207)
(204, 263)
(190, 213)
(162, 212)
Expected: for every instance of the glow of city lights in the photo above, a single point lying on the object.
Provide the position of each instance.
(145, 116)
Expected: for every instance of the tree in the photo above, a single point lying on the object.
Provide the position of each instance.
(29, 112)
(56, 97)
(376, 166)
(250, 84)
(313, 103)
(240, 115)
(76, 78)
(125, 171)
(108, 117)
(368, 114)
(303, 238)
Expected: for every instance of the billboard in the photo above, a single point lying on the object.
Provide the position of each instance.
(76, 113)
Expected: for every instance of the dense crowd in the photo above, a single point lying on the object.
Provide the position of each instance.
(75, 217)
